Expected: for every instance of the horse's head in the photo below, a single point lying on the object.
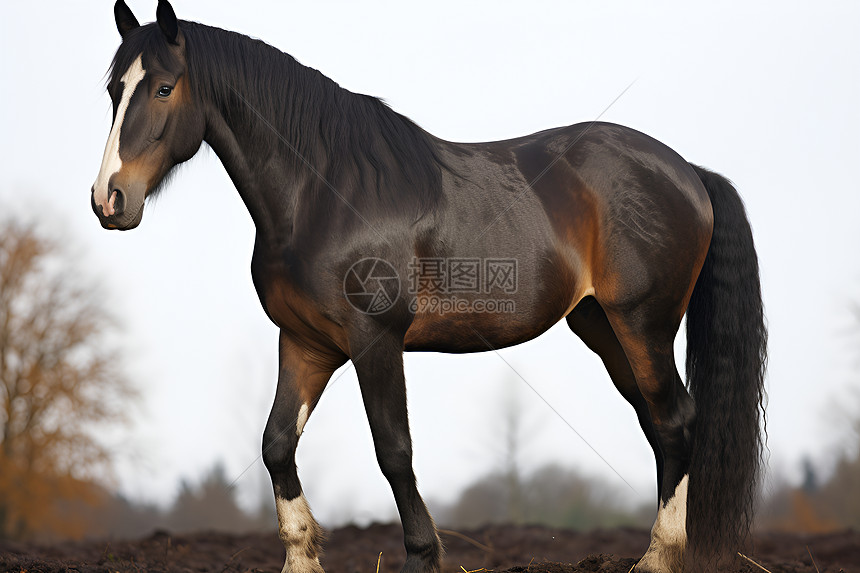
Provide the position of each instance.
(156, 121)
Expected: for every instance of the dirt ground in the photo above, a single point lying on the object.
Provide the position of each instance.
(509, 549)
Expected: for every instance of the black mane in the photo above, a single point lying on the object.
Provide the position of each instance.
(360, 146)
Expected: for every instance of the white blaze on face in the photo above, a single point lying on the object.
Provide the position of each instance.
(111, 163)
(302, 419)
(669, 534)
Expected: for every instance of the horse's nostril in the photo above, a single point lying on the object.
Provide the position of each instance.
(118, 202)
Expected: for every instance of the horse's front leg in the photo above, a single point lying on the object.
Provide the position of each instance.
(378, 362)
(303, 376)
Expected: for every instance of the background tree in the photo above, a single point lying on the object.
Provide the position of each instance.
(822, 504)
(546, 495)
(211, 505)
(59, 381)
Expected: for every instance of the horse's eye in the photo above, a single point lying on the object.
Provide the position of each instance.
(164, 91)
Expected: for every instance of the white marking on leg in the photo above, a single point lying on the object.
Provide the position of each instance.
(302, 419)
(672, 517)
(111, 163)
(669, 535)
(300, 534)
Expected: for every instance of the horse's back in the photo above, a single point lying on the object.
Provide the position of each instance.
(575, 168)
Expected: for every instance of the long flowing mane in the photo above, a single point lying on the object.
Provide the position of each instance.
(357, 143)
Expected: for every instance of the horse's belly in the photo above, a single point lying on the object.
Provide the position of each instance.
(478, 323)
(460, 332)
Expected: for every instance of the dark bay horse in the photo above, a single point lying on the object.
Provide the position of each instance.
(374, 237)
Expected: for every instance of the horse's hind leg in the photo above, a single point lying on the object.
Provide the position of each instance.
(301, 380)
(589, 322)
(379, 365)
(646, 333)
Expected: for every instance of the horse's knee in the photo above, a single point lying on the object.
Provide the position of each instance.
(682, 417)
(279, 450)
(687, 419)
(672, 410)
(395, 460)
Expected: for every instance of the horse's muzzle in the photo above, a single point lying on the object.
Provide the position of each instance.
(116, 219)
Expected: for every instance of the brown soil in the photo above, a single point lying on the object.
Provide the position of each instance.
(530, 549)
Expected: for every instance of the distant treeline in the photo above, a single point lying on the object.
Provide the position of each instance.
(816, 505)
(551, 495)
(209, 504)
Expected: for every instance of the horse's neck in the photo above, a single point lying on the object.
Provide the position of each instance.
(266, 202)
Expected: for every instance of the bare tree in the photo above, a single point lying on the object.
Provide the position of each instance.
(209, 505)
(59, 380)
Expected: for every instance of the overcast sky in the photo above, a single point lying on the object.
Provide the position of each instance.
(768, 95)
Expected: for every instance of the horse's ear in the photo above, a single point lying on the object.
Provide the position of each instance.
(125, 20)
(166, 18)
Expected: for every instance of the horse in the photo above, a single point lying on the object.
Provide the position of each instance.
(373, 237)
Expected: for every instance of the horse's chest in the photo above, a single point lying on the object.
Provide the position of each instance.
(297, 314)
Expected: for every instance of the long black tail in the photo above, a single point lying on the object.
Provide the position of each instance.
(726, 357)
